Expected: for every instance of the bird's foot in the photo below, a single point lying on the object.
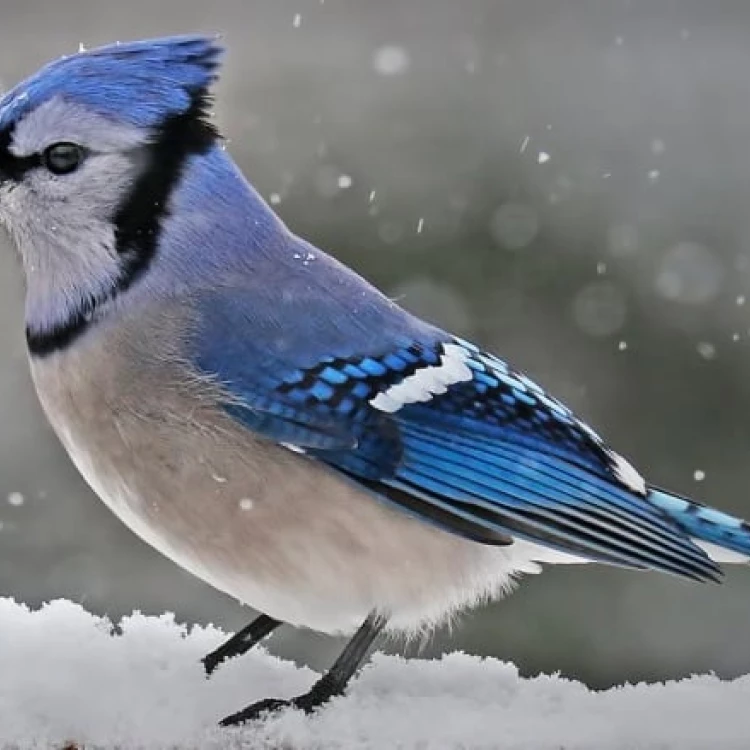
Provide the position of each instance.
(309, 703)
(256, 711)
(262, 709)
(211, 662)
(330, 685)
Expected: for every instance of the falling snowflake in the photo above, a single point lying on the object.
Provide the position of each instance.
(657, 146)
(390, 60)
(514, 225)
(690, 273)
(16, 499)
(599, 309)
(706, 350)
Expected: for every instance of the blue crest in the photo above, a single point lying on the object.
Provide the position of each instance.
(139, 83)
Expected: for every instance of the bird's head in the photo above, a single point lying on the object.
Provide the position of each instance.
(91, 148)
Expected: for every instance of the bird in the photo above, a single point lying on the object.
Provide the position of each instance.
(264, 416)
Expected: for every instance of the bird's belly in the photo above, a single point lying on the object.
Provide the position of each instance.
(314, 552)
(274, 529)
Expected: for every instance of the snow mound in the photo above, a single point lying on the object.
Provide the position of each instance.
(67, 676)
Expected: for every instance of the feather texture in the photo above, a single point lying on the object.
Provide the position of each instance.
(451, 434)
(139, 83)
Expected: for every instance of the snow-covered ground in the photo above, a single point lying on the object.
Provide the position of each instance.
(65, 677)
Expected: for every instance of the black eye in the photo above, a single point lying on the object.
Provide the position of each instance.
(63, 158)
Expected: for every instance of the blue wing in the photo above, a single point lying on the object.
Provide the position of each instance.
(434, 425)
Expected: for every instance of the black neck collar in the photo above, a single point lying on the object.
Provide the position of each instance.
(140, 218)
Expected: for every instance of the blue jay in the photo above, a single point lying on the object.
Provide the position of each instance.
(261, 414)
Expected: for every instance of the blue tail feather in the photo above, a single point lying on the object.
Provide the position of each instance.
(703, 522)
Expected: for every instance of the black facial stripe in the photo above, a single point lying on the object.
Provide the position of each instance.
(14, 167)
(41, 343)
(138, 221)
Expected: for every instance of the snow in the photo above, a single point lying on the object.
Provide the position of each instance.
(514, 225)
(391, 60)
(16, 499)
(68, 677)
(706, 349)
(600, 308)
(658, 146)
(330, 181)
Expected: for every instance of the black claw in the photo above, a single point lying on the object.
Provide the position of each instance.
(256, 711)
(210, 663)
(310, 702)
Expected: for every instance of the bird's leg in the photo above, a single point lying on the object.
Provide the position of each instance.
(241, 642)
(331, 684)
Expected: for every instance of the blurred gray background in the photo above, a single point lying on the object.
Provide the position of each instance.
(566, 182)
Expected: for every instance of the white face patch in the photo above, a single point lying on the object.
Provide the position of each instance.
(427, 381)
(58, 121)
(62, 225)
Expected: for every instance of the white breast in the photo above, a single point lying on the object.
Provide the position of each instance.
(127, 504)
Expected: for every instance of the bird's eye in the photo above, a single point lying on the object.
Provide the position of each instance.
(63, 158)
